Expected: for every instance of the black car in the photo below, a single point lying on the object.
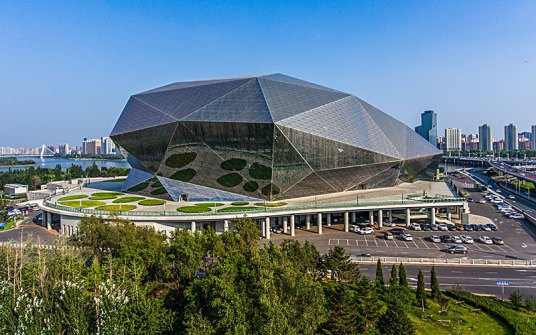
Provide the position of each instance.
(446, 239)
(38, 219)
(476, 227)
(397, 231)
(451, 227)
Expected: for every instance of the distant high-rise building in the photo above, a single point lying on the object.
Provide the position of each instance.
(453, 139)
(498, 145)
(91, 146)
(428, 127)
(533, 138)
(485, 141)
(510, 137)
(64, 149)
(107, 146)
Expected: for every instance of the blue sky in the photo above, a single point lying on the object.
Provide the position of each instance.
(67, 68)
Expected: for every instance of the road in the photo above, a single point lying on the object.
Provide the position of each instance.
(475, 279)
(28, 230)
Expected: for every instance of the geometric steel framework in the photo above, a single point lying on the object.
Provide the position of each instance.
(264, 137)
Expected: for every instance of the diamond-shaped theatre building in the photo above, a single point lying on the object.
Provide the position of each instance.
(265, 137)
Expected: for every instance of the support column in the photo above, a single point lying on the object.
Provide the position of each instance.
(346, 222)
(380, 219)
(267, 228)
(328, 219)
(225, 225)
(49, 221)
(371, 217)
(263, 226)
(432, 216)
(353, 217)
(192, 227)
(408, 217)
(308, 221)
(292, 225)
(391, 216)
(319, 223)
(285, 225)
(449, 214)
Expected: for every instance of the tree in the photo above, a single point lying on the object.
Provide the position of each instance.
(367, 305)
(393, 279)
(57, 172)
(338, 264)
(434, 285)
(395, 321)
(379, 282)
(343, 316)
(420, 294)
(516, 299)
(402, 276)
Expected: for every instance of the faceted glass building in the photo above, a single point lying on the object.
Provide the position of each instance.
(265, 137)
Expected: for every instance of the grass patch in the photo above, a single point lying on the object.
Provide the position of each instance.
(184, 175)
(239, 203)
(139, 187)
(270, 190)
(151, 202)
(230, 180)
(159, 191)
(237, 209)
(251, 186)
(102, 194)
(259, 171)
(117, 180)
(103, 197)
(193, 209)
(234, 164)
(83, 203)
(73, 197)
(181, 160)
(209, 204)
(116, 208)
(127, 199)
(270, 204)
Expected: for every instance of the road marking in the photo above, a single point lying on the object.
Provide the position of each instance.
(395, 242)
(416, 246)
(405, 244)
(374, 239)
(384, 241)
(366, 242)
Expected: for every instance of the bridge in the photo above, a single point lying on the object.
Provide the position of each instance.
(514, 167)
(43, 151)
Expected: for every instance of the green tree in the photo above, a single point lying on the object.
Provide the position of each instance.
(57, 172)
(367, 305)
(434, 285)
(420, 294)
(343, 315)
(379, 282)
(516, 299)
(337, 263)
(393, 278)
(395, 320)
(402, 276)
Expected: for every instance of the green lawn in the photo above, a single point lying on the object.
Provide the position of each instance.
(73, 197)
(194, 209)
(99, 194)
(83, 203)
(237, 209)
(462, 321)
(116, 207)
(127, 199)
(152, 202)
(103, 197)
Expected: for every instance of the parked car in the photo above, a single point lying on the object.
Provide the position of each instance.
(434, 227)
(482, 201)
(365, 231)
(492, 227)
(476, 227)
(415, 226)
(467, 239)
(353, 228)
(485, 227)
(389, 224)
(485, 240)
(426, 227)
(457, 249)
(516, 216)
(38, 219)
(435, 239)
(456, 239)
(406, 237)
(451, 227)
(470, 199)
(446, 239)
(497, 240)
(387, 235)
(443, 227)
(459, 227)
(397, 231)
(468, 227)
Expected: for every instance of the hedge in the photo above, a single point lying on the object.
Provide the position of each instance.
(159, 191)
(239, 203)
(270, 204)
(210, 204)
(83, 203)
(237, 209)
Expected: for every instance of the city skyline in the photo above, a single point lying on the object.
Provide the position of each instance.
(453, 58)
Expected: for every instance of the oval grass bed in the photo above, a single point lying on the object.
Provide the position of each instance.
(83, 203)
(238, 209)
(193, 209)
(233, 164)
(151, 202)
(270, 204)
(99, 194)
(127, 199)
(184, 175)
(103, 197)
(230, 180)
(180, 160)
(209, 204)
(259, 171)
(73, 197)
(251, 186)
(116, 208)
(239, 203)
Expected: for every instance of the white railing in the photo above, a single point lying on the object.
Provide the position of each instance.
(448, 261)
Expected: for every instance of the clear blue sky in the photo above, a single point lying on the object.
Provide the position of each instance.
(67, 68)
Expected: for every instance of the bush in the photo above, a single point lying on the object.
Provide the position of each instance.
(259, 171)
(116, 208)
(234, 164)
(184, 175)
(230, 180)
(251, 186)
(193, 209)
(127, 199)
(152, 202)
(73, 197)
(139, 187)
(239, 203)
(181, 160)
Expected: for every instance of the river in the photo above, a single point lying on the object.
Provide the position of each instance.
(51, 162)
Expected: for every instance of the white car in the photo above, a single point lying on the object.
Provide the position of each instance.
(499, 191)
(467, 239)
(443, 227)
(456, 239)
(482, 201)
(485, 240)
(406, 237)
(366, 231)
(435, 239)
(511, 197)
(389, 224)
(415, 226)
(516, 216)
(353, 228)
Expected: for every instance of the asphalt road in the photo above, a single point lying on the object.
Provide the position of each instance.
(475, 279)
(27, 230)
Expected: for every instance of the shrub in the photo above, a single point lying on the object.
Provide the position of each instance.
(116, 208)
(239, 203)
(259, 171)
(139, 187)
(193, 209)
(230, 180)
(152, 202)
(184, 175)
(73, 197)
(181, 160)
(234, 164)
(127, 199)
(251, 186)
